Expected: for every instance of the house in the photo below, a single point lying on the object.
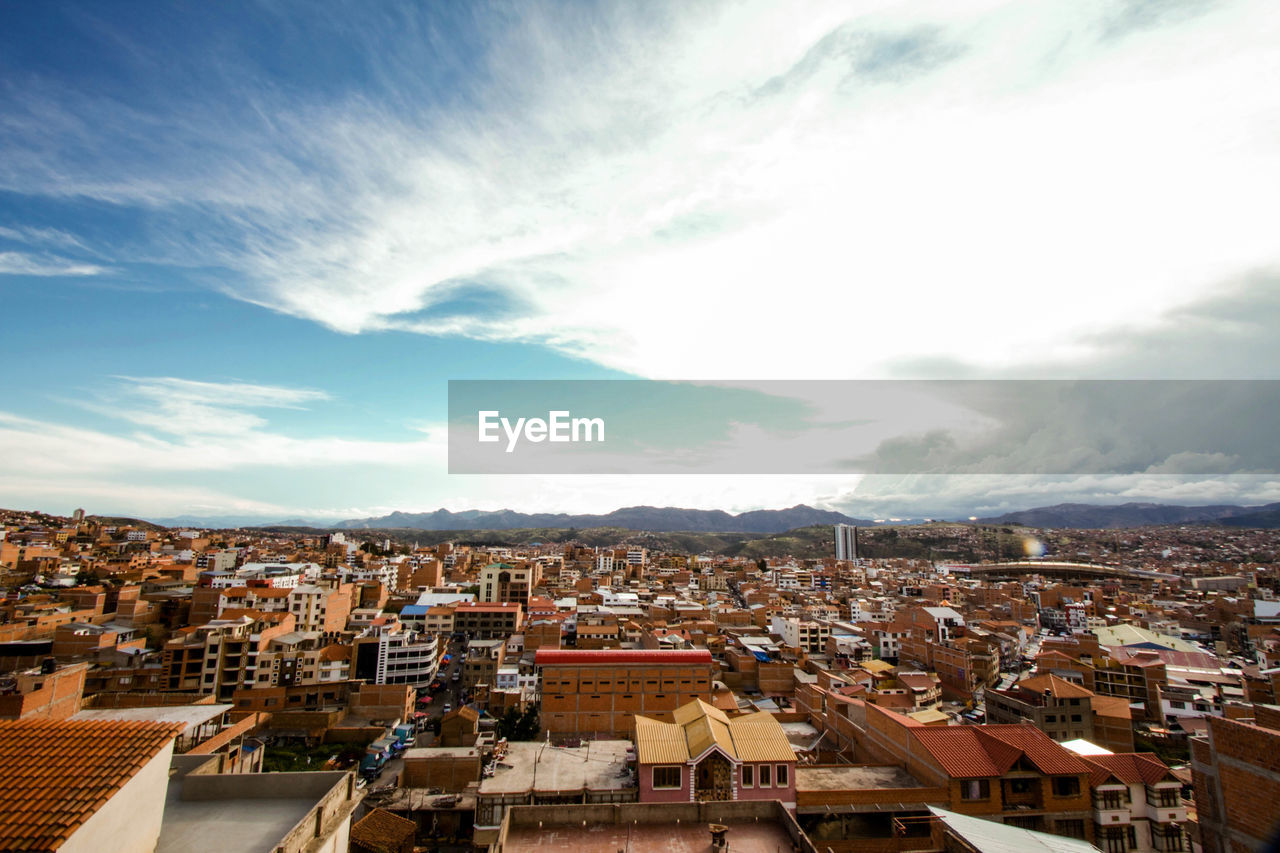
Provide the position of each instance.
(83, 785)
(1137, 803)
(380, 831)
(705, 755)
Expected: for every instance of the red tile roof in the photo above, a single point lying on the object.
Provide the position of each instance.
(1130, 768)
(382, 830)
(966, 752)
(57, 773)
(615, 656)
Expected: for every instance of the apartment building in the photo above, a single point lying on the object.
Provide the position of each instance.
(501, 582)
(482, 661)
(1137, 804)
(1064, 711)
(221, 656)
(805, 634)
(303, 657)
(487, 621)
(389, 654)
(601, 691)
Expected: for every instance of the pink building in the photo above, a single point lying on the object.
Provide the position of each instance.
(706, 755)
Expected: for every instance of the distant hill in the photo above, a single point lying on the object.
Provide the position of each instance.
(1096, 517)
(627, 518)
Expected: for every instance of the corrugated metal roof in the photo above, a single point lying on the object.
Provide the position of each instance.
(660, 743)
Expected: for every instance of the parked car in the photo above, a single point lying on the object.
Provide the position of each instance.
(371, 766)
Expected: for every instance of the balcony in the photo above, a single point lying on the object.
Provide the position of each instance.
(1168, 839)
(1111, 815)
(1021, 794)
(1166, 814)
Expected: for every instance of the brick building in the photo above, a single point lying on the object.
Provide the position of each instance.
(1236, 771)
(599, 692)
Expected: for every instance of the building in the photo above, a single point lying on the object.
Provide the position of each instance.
(1014, 774)
(1064, 711)
(391, 655)
(846, 542)
(535, 774)
(487, 621)
(49, 691)
(503, 583)
(1235, 767)
(88, 786)
(804, 634)
(704, 755)
(1137, 804)
(600, 692)
(221, 656)
(481, 663)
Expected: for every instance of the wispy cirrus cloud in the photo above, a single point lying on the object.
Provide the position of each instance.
(192, 426)
(644, 188)
(45, 265)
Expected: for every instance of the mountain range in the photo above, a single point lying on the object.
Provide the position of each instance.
(629, 518)
(764, 521)
(1092, 516)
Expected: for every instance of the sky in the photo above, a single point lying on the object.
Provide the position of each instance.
(244, 246)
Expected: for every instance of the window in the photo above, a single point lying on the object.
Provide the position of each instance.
(1070, 828)
(781, 775)
(748, 776)
(1066, 786)
(666, 777)
(764, 776)
(1021, 786)
(975, 789)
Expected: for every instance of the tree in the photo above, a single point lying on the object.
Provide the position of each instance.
(519, 725)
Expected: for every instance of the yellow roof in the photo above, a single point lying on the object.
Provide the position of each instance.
(660, 743)
(699, 726)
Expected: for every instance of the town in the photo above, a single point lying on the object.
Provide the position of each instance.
(332, 690)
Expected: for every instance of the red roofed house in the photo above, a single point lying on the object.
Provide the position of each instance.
(83, 785)
(600, 692)
(1137, 803)
(1015, 774)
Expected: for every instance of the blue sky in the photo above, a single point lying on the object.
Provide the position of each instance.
(243, 246)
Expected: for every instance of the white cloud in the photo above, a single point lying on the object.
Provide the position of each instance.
(193, 426)
(752, 190)
(23, 263)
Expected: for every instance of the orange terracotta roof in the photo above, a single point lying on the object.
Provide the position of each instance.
(1129, 768)
(58, 773)
(966, 752)
(383, 830)
(1059, 688)
(336, 651)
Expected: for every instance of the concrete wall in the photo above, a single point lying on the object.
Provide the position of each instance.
(131, 818)
(662, 813)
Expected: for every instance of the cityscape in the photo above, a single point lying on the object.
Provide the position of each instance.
(616, 426)
(1106, 687)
